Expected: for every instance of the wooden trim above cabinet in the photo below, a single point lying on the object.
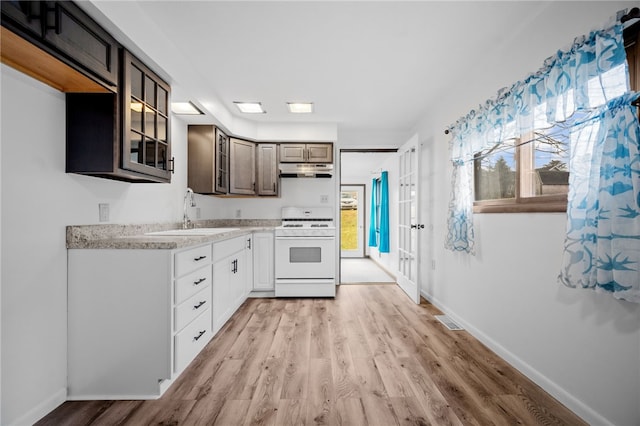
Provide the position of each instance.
(27, 58)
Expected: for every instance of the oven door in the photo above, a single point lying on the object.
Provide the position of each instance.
(305, 258)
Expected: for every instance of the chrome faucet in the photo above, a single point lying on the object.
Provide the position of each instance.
(186, 222)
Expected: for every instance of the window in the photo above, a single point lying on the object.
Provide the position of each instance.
(527, 174)
(531, 174)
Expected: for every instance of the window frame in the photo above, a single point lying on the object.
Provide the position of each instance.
(521, 204)
(556, 203)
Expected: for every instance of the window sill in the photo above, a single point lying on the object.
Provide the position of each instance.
(551, 204)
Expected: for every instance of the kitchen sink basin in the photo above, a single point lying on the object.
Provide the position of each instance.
(190, 232)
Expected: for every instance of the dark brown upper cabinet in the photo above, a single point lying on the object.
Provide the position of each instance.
(65, 32)
(208, 159)
(124, 135)
(146, 147)
(306, 153)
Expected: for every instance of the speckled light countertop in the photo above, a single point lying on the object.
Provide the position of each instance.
(114, 236)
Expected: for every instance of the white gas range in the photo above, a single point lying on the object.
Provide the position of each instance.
(305, 253)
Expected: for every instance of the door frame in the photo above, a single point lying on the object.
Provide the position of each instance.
(363, 150)
(362, 211)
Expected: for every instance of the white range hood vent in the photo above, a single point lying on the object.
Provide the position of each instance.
(306, 170)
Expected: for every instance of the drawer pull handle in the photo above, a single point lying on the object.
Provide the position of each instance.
(199, 304)
(199, 335)
(199, 258)
(199, 281)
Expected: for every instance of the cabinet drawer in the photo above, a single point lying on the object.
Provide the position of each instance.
(190, 341)
(226, 248)
(192, 283)
(191, 308)
(189, 260)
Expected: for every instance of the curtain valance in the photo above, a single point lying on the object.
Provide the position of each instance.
(590, 73)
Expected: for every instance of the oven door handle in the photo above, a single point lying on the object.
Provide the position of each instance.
(312, 238)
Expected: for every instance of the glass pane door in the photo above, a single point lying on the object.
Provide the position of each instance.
(409, 224)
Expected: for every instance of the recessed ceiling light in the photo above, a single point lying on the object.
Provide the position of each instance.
(250, 107)
(300, 107)
(185, 108)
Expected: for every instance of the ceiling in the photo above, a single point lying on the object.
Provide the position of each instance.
(366, 65)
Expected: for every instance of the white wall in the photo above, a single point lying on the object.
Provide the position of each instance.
(39, 199)
(582, 347)
(294, 192)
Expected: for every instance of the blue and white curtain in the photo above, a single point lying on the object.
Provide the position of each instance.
(384, 213)
(379, 222)
(602, 248)
(373, 222)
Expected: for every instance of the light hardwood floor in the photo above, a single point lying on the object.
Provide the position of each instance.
(367, 357)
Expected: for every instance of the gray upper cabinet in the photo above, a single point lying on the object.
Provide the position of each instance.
(267, 169)
(306, 153)
(208, 160)
(242, 167)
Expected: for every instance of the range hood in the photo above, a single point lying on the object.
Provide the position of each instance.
(307, 170)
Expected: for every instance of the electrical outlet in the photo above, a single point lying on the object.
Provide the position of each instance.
(238, 213)
(198, 214)
(324, 198)
(103, 212)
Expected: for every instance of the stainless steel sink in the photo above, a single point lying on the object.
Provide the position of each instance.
(191, 232)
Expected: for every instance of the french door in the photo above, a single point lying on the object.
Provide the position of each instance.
(409, 225)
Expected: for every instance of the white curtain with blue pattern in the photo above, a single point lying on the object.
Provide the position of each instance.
(602, 246)
(602, 249)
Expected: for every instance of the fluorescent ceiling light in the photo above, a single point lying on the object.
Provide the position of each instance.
(185, 108)
(300, 107)
(250, 107)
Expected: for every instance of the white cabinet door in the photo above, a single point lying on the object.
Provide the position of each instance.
(221, 297)
(263, 261)
(247, 270)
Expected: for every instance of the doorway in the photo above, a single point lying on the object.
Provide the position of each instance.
(358, 167)
(352, 214)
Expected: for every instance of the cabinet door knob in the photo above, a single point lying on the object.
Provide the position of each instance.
(202, 302)
(199, 281)
(199, 258)
(172, 168)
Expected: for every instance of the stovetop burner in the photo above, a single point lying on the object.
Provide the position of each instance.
(306, 222)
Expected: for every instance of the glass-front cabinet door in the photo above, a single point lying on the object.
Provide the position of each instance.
(222, 162)
(146, 135)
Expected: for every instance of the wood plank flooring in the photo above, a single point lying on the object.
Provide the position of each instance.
(368, 357)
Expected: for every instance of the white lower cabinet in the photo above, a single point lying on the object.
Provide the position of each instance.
(263, 261)
(120, 327)
(191, 339)
(230, 272)
(137, 318)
